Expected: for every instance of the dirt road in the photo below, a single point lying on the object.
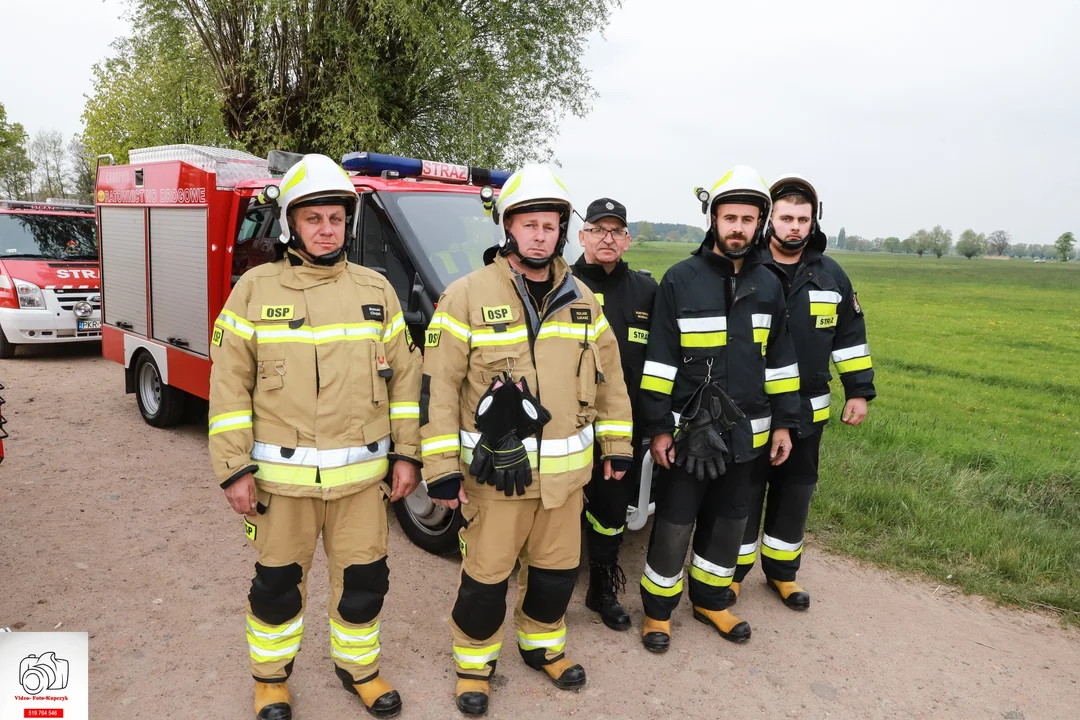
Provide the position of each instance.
(116, 528)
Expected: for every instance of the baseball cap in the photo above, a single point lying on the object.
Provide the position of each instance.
(605, 207)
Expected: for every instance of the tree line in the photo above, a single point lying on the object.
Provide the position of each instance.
(938, 242)
(45, 167)
(665, 232)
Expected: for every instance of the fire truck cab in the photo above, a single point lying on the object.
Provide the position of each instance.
(180, 224)
(49, 281)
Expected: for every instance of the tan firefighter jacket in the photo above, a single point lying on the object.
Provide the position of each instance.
(485, 326)
(313, 374)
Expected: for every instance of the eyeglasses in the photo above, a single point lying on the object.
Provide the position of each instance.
(599, 233)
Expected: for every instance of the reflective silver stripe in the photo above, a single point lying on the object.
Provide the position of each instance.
(324, 459)
(355, 658)
(531, 644)
(284, 652)
(776, 544)
(748, 548)
(344, 332)
(711, 568)
(703, 324)
(677, 416)
(393, 327)
(821, 401)
(825, 296)
(567, 446)
(760, 425)
(850, 353)
(761, 320)
(479, 337)
(470, 439)
(782, 373)
(658, 579)
(356, 638)
(404, 409)
(229, 422)
(660, 370)
(485, 658)
(439, 446)
(297, 625)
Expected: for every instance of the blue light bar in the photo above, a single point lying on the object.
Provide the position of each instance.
(366, 163)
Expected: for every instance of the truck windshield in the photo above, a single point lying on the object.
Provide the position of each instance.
(451, 229)
(68, 237)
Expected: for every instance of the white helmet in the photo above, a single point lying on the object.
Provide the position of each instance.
(315, 180)
(741, 184)
(533, 188)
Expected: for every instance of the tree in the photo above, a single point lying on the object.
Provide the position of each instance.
(909, 244)
(921, 242)
(15, 165)
(1019, 250)
(971, 244)
(157, 89)
(841, 239)
(483, 83)
(940, 241)
(831, 241)
(81, 166)
(49, 158)
(645, 231)
(891, 244)
(1064, 246)
(998, 242)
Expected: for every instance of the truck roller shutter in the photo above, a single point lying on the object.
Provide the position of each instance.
(178, 289)
(123, 267)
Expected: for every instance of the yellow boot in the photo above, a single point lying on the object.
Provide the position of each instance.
(656, 635)
(564, 674)
(735, 589)
(378, 697)
(472, 696)
(725, 622)
(793, 596)
(272, 701)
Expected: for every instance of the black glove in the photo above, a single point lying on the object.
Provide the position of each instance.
(699, 447)
(504, 412)
(446, 488)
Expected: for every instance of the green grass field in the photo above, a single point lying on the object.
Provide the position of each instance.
(969, 464)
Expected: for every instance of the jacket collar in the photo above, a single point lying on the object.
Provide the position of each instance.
(300, 273)
(597, 272)
(724, 266)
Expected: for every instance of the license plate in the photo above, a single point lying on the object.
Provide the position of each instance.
(89, 324)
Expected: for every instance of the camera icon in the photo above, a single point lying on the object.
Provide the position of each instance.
(38, 673)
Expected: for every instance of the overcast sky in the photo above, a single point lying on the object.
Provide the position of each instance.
(904, 114)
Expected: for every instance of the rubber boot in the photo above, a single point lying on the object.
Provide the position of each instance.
(793, 596)
(724, 622)
(563, 673)
(656, 635)
(735, 590)
(605, 582)
(272, 701)
(472, 696)
(379, 699)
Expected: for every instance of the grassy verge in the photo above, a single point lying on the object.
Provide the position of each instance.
(969, 465)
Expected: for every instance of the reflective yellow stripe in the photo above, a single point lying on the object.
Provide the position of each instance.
(476, 658)
(394, 328)
(703, 340)
(403, 410)
(234, 323)
(708, 578)
(779, 550)
(855, 365)
(307, 476)
(654, 589)
(553, 641)
(761, 335)
(656, 384)
(822, 309)
(487, 336)
(454, 326)
(775, 387)
(821, 415)
(230, 421)
(269, 643)
(439, 444)
(761, 438)
(598, 527)
(748, 554)
(566, 463)
(614, 427)
(356, 645)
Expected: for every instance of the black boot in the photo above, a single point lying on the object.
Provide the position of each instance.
(605, 582)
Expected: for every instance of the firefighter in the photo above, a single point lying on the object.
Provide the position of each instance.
(314, 392)
(720, 373)
(825, 321)
(522, 320)
(627, 299)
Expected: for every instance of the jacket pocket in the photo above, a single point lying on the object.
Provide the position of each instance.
(379, 394)
(273, 433)
(494, 361)
(377, 429)
(590, 373)
(271, 373)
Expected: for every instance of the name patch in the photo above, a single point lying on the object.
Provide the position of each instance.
(277, 312)
(497, 314)
(373, 312)
(218, 334)
(826, 321)
(432, 337)
(639, 336)
(641, 315)
(250, 530)
(581, 315)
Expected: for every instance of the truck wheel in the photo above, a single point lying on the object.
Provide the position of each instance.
(160, 404)
(431, 527)
(7, 349)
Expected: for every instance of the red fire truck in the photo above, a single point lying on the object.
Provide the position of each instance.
(180, 224)
(49, 291)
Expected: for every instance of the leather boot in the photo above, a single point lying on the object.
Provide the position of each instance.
(564, 674)
(735, 590)
(793, 596)
(379, 699)
(656, 635)
(724, 622)
(272, 701)
(605, 582)
(472, 696)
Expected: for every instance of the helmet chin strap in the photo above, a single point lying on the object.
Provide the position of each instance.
(792, 246)
(531, 262)
(326, 259)
(734, 254)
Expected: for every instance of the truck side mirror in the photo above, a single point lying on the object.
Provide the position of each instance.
(420, 305)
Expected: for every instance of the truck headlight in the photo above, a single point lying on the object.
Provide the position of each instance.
(29, 294)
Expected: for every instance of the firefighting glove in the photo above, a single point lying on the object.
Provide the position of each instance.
(699, 446)
(500, 454)
(534, 415)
